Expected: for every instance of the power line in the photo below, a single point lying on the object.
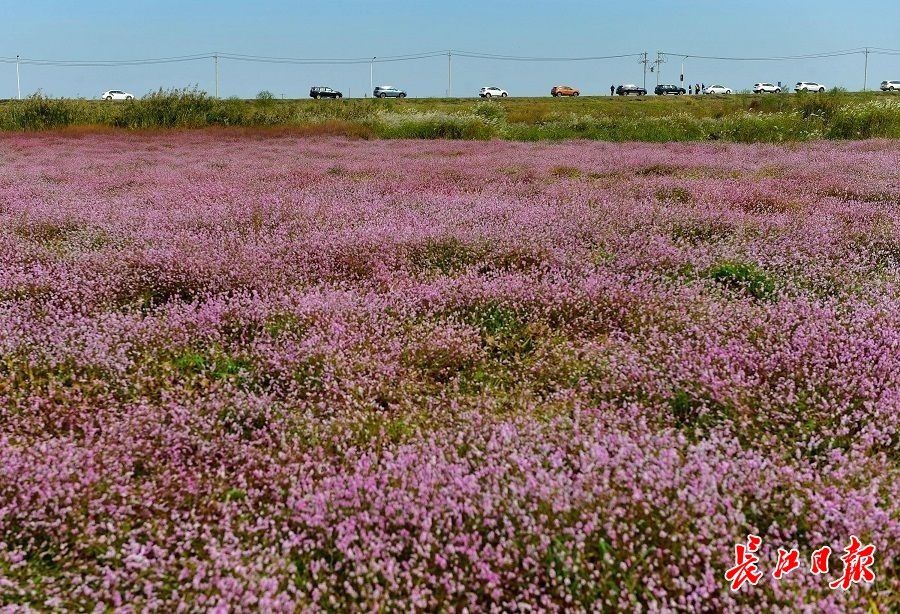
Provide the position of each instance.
(492, 56)
(642, 58)
(241, 57)
(289, 60)
(82, 63)
(812, 56)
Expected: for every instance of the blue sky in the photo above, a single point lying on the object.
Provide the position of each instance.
(113, 30)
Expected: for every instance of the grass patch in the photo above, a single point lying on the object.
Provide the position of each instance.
(739, 118)
(673, 195)
(694, 414)
(213, 363)
(444, 255)
(743, 277)
(656, 170)
(507, 334)
(696, 232)
(566, 172)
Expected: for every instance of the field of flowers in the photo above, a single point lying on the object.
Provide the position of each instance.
(276, 373)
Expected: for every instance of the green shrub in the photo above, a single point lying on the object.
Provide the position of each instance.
(870, 119)
(432, 126)
(38, 112)
(748, 119)
(696, 414)
(505, 331)
(489, 110)
(743, 277)
(175, 108)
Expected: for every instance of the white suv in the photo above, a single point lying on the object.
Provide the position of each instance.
(890, 86)
(487, 92)
(116, 95)
(766, 88)
(809, 86)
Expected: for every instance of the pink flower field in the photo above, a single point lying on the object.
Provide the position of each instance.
(247, 372)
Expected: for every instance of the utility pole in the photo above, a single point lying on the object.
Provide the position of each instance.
(216, 61)
(18, 84)
(866, 70)
(658, 61)
(449, 74)
(644, 61)
(371, 71)
(682, 69)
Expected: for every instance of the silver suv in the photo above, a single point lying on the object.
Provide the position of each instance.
(809, 86)
(890, 86)
(388, 91)
(766, 88)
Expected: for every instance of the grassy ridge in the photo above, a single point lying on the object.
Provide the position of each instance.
(741, 118)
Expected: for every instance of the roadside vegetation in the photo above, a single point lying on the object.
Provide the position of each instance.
(744, 118)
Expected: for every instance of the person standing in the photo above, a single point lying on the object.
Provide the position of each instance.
(612, 90)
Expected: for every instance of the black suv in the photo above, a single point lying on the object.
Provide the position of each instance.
(324, 92)
(630, 88)
(662, 90)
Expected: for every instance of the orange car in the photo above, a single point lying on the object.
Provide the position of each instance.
(564, 90)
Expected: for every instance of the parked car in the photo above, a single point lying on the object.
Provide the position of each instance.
(890, 86)
(564, 90)
(116, 95)
(630, 88)
(766, 88)
(490, 91)
(388, 91)
(318, 91)
(717, 89)
(809, 86)
(664, 90)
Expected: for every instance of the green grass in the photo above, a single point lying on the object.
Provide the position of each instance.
(743, 277)
(741, 117)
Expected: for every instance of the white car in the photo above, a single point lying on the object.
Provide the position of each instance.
(488, 92)
(717, 89)
(116, 95)
(766, 88)
(890, 86)
(809, 86)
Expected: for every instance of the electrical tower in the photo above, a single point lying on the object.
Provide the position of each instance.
(644, 61)
(866, 71)
(659, 61)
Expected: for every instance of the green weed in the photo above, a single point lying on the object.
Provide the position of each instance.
(743, 277)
